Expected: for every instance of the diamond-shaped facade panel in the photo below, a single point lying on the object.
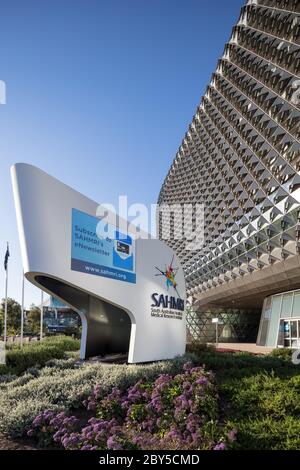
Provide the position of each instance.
(240, 158)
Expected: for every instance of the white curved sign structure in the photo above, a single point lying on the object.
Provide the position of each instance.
(129, 293)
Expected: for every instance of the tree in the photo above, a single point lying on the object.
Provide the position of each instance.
(33, 319)
(13, 316)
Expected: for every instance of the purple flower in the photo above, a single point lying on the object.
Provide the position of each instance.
(202, 381)
(112, 443)
(37, 421)
(187, 366)
(173, 435)
(57, 436)
(171, 411)
(232, 435)
(220, 446)
(86, 447)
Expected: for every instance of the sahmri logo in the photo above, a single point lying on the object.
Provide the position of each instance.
(168, 301)
(169, 274)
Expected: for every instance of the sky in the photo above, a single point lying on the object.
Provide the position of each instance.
(99, 94)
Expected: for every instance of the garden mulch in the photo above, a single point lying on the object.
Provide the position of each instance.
(15, 444)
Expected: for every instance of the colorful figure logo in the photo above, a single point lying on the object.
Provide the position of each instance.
(169, 274)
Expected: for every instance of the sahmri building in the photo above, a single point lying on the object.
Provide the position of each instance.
(240, 157)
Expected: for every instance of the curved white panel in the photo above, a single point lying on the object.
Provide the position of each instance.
(44, 213)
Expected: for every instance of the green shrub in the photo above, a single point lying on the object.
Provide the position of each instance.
(265, 409)
(260, 397)
(268, 434)
(241, 364)
(18, 360)
(196, 347)
(283, 353)
(66, 343)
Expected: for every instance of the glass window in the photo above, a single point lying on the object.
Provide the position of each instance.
(281, 334)
(287, 329)
(289, 333)
(286, 305)
(293, 329)
(276, 305)
(296, 306)
(264, 322)
(274, 320)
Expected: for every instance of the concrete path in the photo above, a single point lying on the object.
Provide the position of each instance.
(245, 347)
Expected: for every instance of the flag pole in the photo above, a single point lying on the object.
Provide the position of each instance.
(41, 325)
(5, 306)
(22, 311)
(6, 284)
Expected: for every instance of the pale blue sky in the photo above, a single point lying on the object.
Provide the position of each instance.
(100, 94)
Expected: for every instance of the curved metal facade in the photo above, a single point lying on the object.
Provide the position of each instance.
(241, 158)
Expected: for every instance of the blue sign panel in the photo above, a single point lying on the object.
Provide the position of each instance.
(93, 252)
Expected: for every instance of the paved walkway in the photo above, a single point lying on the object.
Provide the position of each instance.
(104, 360)
(246, 347)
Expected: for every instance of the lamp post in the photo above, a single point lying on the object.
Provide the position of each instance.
(216, 322)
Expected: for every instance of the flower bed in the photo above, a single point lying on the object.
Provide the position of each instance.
(173, 412)
(258, 396)
(63, 386)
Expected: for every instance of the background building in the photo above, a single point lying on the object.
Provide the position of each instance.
(241, 158)
(60, 318)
